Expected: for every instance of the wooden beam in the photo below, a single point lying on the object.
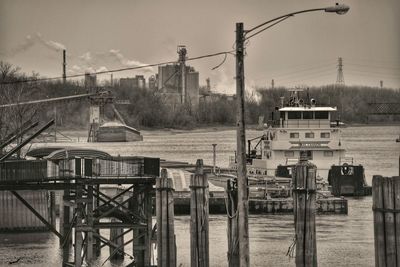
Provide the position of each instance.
(37, 214)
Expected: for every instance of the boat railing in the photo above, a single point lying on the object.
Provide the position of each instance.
(305, 123)
(347, 160)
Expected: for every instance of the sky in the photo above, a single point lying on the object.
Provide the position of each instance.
(300, 51)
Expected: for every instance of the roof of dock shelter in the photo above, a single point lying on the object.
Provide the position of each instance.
(308, 109)
(58, 153)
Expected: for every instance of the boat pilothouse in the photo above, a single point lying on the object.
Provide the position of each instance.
(303, 130)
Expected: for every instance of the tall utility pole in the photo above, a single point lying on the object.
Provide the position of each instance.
(340, 77)
(242, 181)
(64, 66)
(182, 58)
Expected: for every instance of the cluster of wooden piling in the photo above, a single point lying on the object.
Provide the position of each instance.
(386, 208)
(199, 212)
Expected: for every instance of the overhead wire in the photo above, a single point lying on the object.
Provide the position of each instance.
(260, 31)
(117, 70)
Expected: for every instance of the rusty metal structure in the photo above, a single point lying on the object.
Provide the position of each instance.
(99, 193)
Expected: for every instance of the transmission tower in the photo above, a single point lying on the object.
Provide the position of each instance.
(340, 77)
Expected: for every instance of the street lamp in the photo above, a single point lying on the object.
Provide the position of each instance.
(242, 181)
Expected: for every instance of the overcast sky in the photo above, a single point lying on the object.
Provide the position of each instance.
(302, 50)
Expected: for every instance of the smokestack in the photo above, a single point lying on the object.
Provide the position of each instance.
(182, 58)
(64, 66)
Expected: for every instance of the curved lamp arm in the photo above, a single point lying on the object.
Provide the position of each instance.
(338, 9)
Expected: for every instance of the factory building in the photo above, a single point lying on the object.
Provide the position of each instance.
(170, 85)
(137, 82)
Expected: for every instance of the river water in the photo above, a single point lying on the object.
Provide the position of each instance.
(342, 240)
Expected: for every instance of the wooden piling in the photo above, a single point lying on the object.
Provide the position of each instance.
(386, 208)
(78, 232)
(233, 242)
(52, 208)
(199, 247)
(117, 238)
(65, 224)
(304, 202)
(166, 250)
(96, 203)
(89, 215)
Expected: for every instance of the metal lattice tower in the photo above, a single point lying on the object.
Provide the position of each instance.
(340, 77)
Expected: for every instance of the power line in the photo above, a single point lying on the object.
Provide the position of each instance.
(374, 66)
(318, 68)
(118, 70)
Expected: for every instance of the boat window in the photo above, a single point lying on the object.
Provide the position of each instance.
(289, 154)
(321, 115)
(309, 135)
(328, 153)
(294, 135)
(307, 115)
(325, 135)
(307, 154)
(282, 113)
(294, 115)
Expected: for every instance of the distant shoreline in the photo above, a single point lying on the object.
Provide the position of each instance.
(203, 128)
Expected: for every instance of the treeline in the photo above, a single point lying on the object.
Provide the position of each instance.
(150, 109)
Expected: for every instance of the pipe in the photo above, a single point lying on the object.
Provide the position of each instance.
(21, 145)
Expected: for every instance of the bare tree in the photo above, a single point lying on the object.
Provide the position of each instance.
(14, 90)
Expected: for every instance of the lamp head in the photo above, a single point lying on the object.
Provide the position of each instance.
(338, 9)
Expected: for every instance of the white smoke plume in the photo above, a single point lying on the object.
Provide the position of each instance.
(76, 69)
(127, 62)
(50, 44)
(30, 41)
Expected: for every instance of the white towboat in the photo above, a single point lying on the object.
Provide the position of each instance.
(302, 130)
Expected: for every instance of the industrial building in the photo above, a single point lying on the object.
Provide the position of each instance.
(136, 82)
(170, 85)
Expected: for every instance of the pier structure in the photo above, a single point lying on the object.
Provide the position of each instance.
(99, 193)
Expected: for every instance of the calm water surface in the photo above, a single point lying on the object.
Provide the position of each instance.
(341, 240)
